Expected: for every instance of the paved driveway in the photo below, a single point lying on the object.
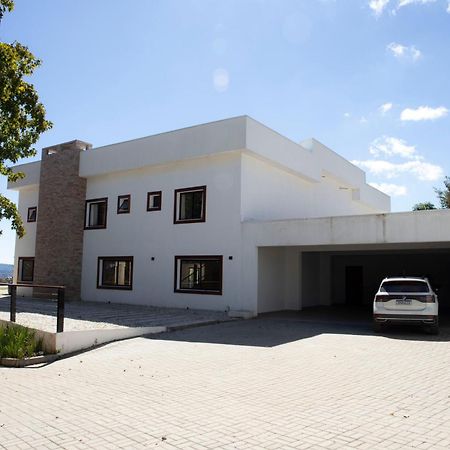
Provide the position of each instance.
(275, 383)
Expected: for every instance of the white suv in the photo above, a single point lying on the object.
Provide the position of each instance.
(406, 300)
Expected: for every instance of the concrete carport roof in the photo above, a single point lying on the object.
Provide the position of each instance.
(341, 260)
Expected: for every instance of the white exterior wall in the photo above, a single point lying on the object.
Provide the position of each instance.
(28, 188)
(272, 193)
(25, 247)
(278, 279)
(421, 227)
(143, 234)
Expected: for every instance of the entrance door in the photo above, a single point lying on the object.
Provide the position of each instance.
(354, 285)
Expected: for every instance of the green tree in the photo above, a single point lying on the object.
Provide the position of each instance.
(423, 206)
(444, 194)
(22, 116)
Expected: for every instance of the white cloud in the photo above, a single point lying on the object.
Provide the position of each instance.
(421, 170)
(347, 114)
(404, 52)
(377, 6)
(394, 190)
(448, 7)
(391, 146)
(385, 107)
(363, 120)
(221, 80)
(402, 3)
(423, 113)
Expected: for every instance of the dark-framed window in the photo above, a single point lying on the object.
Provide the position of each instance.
(199, 274)
(123, 204)
(115, 272)
(154, 201)
(190, 205)
(96, 213)
(32, 214)
(25, 272)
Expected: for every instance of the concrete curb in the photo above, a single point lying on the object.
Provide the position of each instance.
(24, 362)
(197, 324)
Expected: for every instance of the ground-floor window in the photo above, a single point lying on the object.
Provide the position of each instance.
(115, 272)
(198, 274)
(26, 270)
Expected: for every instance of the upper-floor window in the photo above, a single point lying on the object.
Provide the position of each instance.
(154, 201)
(190, 205)
(32, 214)
(115, 272)
(25, 272)
(123, 204)
(96, 211)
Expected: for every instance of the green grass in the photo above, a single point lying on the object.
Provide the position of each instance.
(18, 342)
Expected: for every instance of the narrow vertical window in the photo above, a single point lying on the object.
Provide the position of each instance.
(32, 214)
(123, 204)
(154, 200)
(96, 212)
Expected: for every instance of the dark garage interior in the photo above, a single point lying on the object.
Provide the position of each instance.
(352, 277)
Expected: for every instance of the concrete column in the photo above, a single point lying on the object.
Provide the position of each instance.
(300, 280)
(325, 279)
(292, 279)
(248, 282)
(60, 222)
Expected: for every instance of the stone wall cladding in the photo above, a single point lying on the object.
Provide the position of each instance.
(60, 222)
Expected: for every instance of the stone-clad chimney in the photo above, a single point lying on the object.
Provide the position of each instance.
(60, 221)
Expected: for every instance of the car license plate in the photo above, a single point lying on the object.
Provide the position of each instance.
(403, 301)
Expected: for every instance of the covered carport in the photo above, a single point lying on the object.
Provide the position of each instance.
(342, 260)
(352, 276)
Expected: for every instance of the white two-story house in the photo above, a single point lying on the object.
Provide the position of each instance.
(220, 216)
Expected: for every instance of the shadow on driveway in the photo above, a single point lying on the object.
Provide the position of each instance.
(271, 330)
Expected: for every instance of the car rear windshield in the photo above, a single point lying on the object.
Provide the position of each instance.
(392, 287)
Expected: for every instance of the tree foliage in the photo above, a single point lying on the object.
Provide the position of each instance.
(423, 206)
(6, 6)
(444, 194)
(22, 116)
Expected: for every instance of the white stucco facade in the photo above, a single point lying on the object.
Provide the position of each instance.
(266, 198)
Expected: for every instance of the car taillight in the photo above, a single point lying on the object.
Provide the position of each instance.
(379, 298)
(429, 299)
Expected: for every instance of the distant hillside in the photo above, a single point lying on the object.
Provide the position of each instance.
(6, 270)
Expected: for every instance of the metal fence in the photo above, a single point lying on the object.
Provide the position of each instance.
(12, 291)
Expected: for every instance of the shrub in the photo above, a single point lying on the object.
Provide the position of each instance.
(19, 342)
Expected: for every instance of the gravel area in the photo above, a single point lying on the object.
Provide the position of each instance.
(81, 316)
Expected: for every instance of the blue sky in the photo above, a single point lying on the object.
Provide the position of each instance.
(368, 78)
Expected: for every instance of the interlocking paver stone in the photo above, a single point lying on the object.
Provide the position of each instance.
(268, 383)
